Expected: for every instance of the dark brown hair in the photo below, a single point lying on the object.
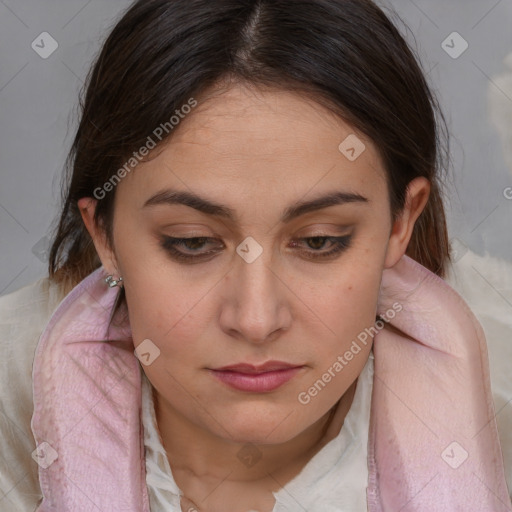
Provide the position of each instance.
(345, 54)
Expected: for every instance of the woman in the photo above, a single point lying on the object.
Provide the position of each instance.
(254, 219)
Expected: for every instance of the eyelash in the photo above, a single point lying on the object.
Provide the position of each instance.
(341, 243)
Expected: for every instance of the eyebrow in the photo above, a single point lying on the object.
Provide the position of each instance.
(203, 205)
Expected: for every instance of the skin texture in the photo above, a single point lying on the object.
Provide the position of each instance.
(258, 152)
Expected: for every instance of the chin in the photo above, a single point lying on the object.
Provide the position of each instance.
(259, 424)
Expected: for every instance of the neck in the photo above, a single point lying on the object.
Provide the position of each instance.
(195, 452)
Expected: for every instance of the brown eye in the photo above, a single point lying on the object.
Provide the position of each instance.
(193, 245)
(318, 242)
(338, 244)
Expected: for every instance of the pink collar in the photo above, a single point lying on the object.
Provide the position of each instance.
(433, 443)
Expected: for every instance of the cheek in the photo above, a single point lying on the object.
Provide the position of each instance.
(347, 340)
(159, 296)
(168, 319)
(167, 314)
(347, 301)
(342, 344)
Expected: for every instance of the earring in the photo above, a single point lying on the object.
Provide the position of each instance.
(113, 282)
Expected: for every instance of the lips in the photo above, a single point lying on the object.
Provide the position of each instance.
(269, 366)
(257, 378)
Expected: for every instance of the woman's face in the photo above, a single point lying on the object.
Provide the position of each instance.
(255, 285)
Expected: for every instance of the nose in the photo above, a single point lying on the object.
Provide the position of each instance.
(256, 304)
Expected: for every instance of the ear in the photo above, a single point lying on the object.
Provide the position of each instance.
(87, 207)
(418, 193)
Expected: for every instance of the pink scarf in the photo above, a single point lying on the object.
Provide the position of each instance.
(433, 443)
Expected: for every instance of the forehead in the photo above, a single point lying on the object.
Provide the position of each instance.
(253, 142)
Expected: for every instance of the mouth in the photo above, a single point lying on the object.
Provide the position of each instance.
(257, 379)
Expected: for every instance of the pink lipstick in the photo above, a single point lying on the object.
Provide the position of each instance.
(257, 378)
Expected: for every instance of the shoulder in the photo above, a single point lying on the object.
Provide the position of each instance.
(485, 283)
(23, 316)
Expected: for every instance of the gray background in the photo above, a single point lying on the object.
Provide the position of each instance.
(38, 100)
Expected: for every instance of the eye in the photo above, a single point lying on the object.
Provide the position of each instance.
(337, 243)
(193, 246)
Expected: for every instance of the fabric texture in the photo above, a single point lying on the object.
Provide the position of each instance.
(433, 442)
(485, 282)
(25, 313)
